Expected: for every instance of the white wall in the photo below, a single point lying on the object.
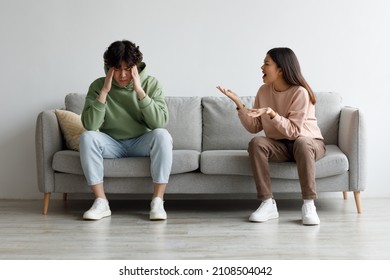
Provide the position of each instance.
(50, 48)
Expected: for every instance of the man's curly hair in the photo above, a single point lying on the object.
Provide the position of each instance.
(122, 51)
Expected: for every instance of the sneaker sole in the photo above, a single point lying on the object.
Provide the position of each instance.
(157, 217)
(97, 217)
(254, 220)
(310, 223)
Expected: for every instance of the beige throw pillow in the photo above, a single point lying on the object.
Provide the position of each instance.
(71, 127)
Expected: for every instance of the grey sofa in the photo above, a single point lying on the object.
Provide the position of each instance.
(210, 153)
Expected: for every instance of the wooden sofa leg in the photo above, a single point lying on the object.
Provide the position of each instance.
(358, 202)
(345, 195)
(65, 196)
(46, 199)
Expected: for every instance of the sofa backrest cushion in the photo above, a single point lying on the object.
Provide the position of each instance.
(185, 119)
(75, 102)
(185, 122)
(328, 109)
(222, 129)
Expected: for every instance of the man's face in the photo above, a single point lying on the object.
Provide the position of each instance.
(122, 75)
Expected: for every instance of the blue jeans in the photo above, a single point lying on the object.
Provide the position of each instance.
(96, 146)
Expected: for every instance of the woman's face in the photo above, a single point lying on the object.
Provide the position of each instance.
(122, 75)
(271, 71)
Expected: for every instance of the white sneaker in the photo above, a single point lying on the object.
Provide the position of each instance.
(157, 211)
(309, 215)
(99, 209)
(265, 212)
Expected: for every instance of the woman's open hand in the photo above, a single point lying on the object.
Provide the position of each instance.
(254, 113)
(230, 94)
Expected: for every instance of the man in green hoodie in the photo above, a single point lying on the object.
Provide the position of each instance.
(125, 114)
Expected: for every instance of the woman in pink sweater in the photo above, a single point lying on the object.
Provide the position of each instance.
(285, 109)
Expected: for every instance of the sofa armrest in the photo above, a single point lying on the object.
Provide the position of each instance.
(352, 141)
(48, 140)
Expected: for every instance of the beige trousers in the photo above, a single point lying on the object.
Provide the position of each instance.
(304, 151)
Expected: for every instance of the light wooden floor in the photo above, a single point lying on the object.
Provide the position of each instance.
(195, 229)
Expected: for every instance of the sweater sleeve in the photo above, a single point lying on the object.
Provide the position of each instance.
(94, 111)
(253, 125)
(153, 107)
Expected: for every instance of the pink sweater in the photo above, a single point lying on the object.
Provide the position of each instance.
(295, 114)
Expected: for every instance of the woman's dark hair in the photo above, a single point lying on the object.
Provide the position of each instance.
(122, 51)
(287, 61)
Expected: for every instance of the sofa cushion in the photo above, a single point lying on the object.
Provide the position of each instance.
(328, 109)
(185, 119)
(236, 162)
(183, 161)
(71, 127)
(222, 129)
(185, 122)
(74, 102)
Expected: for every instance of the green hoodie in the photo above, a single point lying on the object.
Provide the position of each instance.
(123, 115)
